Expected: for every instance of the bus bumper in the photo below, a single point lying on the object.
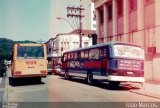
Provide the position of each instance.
(126, 79)
(28, 76)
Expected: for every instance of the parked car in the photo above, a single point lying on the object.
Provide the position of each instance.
(54, 69)
(57, 69)
(49, 69)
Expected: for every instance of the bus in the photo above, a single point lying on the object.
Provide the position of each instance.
(29, 61)
(114, 62)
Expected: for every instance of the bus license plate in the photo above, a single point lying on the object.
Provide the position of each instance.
(30, 69)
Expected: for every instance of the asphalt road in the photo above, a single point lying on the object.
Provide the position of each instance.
(57, 90)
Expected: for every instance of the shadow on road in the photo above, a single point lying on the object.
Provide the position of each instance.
(105, 85)
(25, 81)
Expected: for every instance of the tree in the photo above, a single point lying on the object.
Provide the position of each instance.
(6, 48)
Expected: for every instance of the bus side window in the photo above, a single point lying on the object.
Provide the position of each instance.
(65, 57)
(86, 55)
(78, 55)
(82, 55)
(94, 54)
(75, 55)
(103, 52)
(70, 56)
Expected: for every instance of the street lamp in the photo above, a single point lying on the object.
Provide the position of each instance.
(60, 18)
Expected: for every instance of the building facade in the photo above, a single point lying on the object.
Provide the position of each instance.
(133, 21)
(66, 41)
(69, 41)
(89, 21)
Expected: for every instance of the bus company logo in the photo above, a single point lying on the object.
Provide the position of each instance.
(30, 62)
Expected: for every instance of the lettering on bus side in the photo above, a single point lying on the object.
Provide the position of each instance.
(75, 64)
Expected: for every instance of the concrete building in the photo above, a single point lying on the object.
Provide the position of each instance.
(134, 21)
(89, 21)
(69, 41)
(66, 41)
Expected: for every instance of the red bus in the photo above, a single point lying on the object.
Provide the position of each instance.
(113, 62)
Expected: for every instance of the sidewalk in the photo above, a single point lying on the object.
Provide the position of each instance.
(150, 89)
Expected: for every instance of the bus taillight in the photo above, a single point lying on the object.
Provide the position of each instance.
(43, 71)
(18, 72)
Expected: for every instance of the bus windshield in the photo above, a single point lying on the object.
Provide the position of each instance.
(30, 52)
(127, 51)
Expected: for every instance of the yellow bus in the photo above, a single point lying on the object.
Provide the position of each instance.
(29, 60)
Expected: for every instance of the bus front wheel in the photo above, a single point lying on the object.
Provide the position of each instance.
(89, 78)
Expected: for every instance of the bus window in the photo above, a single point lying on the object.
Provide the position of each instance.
(29, 52)
(82, 55)
(75, 55)
(65, 57)
(94, 54)
(78, 55)
(86, 54)
(103, 52)
(127, 51)
(70, 56)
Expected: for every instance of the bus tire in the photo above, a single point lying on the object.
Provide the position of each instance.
(38, 79)
(12, 81)
(66, 75)
(114, 84)
(90, 78)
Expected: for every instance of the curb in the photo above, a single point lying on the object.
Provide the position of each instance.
(145, 93)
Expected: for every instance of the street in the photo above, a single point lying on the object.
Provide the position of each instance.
(56, 89)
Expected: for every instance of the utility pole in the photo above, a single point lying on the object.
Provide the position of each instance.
(77, 13)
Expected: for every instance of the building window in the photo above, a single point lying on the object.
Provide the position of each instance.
(94, 16)
(85, 44)
(148, 1)
(132, 4)
(77, 44)
(67, 45)
(120, 7)
(149, 13)
(101, 16)
(61, 44)
(94, 26)
(50, 49)
(110, 12)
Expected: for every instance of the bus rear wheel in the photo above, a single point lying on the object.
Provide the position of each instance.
(89, 78)
(66, 75)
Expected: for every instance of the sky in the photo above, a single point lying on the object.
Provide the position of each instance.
(33, 19)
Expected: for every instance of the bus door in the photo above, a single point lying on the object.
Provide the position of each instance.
(104, 60)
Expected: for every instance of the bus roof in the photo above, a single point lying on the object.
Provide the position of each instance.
(101, 45)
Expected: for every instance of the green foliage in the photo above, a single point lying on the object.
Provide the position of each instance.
(26, 41)
(6, 46)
